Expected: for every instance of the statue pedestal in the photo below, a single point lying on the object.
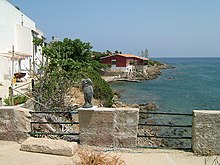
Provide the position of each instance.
(92, 108)
(108, 127)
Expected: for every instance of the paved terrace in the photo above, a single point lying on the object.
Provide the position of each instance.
(113, 128)
(10, 154)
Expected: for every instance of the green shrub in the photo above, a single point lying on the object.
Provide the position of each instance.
(18, 99)
(153, 62)
(50, 88)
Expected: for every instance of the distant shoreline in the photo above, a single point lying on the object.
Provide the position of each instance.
(150, 73)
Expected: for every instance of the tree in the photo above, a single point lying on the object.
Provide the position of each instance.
(116, 52)
(72, 49)
(142, 53)
(97, 55)
(145, 53)
(69, 62)
(38, 41)
(108, 52)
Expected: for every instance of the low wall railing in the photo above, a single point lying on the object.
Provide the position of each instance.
(166, 137)
(59, 133)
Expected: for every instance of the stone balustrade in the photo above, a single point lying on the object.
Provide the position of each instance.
(110, 127)
(206, 132)
(14, 123)
(114, 127)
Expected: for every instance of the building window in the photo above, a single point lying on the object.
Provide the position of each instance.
(113, 61)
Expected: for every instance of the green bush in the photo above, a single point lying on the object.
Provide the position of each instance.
(153, 62)
(50, 88)
(18, 99)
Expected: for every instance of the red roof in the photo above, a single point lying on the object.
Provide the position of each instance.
(128, 56)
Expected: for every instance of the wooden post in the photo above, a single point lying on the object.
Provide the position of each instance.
(32, 85)
(0, 101)
(11, 93)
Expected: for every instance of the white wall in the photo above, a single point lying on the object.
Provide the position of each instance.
(5, 68)
(24, 45)
(24, 39)
(10, 17)
(16, 29)
(123, 69)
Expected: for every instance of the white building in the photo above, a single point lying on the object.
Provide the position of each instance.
(17, 31)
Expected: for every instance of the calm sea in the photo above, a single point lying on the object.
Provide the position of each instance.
(194, 83)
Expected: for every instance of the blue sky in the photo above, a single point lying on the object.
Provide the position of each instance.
(167, 28)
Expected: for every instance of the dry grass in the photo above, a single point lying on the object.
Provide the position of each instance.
(98, 158)
(77, 97)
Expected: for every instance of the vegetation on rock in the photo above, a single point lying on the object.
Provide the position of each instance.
(69, 61)
(153, 62)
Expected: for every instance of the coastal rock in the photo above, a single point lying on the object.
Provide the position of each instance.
(165, 66)
(145, 108)
(148, 106)
(117, 103)
(152, 72)
(135, 106)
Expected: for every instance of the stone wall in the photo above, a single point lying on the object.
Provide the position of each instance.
(110, 127)
(206, 132)
(14, 123)
(29, 104)
(110, 73)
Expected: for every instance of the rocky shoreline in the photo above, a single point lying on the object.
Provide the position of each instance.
(150, 73)
(147, 73)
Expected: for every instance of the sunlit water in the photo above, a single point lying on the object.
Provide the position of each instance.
(194, 83)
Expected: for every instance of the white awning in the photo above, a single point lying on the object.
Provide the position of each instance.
(17, 55)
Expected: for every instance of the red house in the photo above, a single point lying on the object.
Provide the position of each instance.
(124, 62)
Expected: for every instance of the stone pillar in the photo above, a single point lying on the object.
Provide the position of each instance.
(206, 132)
(14, 123)
(109, 127)
(96, 126)
(126, 127)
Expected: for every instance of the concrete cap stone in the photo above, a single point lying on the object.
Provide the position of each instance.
(49, 146)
